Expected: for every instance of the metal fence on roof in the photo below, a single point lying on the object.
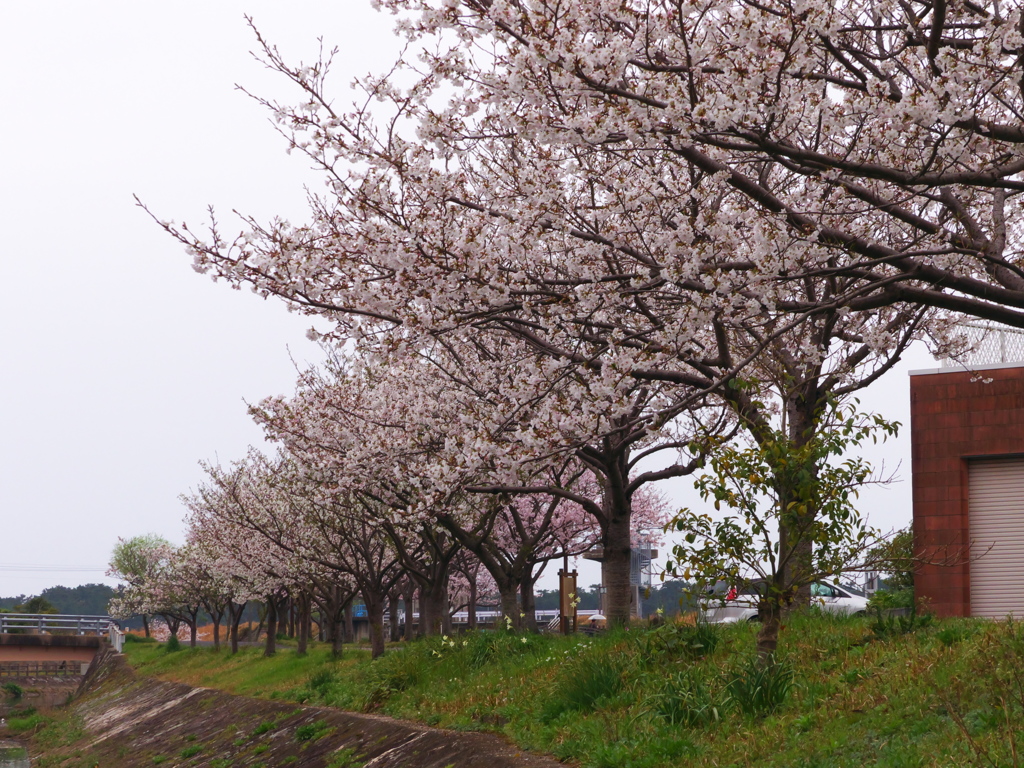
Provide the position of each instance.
(989, 344)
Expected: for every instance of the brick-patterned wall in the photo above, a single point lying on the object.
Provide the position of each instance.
(954, 417)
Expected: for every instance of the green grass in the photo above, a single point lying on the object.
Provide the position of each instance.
(945, 693)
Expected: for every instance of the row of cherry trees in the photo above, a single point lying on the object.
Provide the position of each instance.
(591, 242)
(373, 494)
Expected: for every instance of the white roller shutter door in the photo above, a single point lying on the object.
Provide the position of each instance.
(996, 519)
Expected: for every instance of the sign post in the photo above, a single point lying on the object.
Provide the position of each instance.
(567, 599)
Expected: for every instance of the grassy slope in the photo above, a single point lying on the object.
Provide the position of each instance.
(857, 700)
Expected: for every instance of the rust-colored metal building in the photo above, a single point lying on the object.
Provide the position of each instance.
(967, 449)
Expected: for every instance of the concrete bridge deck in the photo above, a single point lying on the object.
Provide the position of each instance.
(48, 646)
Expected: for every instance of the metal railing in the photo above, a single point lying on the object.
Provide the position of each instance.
(28, 669)
(50, 623)
(116, 637)
(483, 616)
(987, 344)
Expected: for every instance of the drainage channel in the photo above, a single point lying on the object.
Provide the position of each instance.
(13, 755)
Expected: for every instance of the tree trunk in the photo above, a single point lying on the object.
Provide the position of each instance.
(145, 624)
(337, 638)
(426, 618)
(615, 567)
(271, 647)
(375, 615)
(216, 632)
(801, 428)
(471, 608)
(235, 617)
(409, 598)
(393, 617)
(529, 604)
(350, 624)
(301, 609)
(434, 616)
(335, 630)
(768, 635)
(510, 619)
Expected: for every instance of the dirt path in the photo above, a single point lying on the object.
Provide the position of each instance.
(132, 722)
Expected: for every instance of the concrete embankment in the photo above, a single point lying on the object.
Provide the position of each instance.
(129, 721)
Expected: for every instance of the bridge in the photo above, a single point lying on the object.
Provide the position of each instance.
(53, 645)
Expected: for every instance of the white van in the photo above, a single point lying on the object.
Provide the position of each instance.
(725, 604)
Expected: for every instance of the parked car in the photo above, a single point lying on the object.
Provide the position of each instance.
(725, 603)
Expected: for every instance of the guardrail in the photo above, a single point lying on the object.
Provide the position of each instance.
(49, 623)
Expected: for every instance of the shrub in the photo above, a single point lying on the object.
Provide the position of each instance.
(760, 686)
(889, 599)
(173, 644)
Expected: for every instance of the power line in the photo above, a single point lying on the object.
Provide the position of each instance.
(36, 567)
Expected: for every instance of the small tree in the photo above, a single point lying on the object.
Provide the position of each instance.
(896, 559)
(37, 604)
(135, 562)
(782, 497)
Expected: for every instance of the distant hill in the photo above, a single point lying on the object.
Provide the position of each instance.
(90, 599)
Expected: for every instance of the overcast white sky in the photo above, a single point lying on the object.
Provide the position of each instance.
(120, 368)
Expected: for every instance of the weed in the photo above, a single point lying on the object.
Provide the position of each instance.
(192, 751)
(345, 758)
(129, 638)
(955, 633)
(760, 686)
(157, 759)
(893, 625)
(29, 724)
(387, 676)
(853, 676)
(262, 728)
(687, 699)
(483, 647)
(13, 689)
(687, 641)
(322, 680)
(312, 731)
(585, 681)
